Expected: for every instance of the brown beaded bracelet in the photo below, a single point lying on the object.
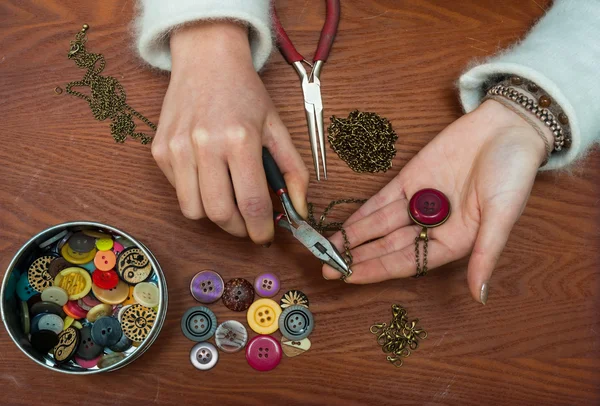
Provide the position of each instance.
(541, 105)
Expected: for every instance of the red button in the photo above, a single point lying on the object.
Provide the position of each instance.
(263, 353)
(74, 310)
(429, 207)
(105, 280)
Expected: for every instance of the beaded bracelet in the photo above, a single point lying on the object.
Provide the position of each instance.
(550, 114)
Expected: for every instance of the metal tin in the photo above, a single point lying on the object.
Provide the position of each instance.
(9, 302)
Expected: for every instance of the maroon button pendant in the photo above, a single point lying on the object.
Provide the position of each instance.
(429, 208)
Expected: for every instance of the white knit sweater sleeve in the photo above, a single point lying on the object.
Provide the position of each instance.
(562, 55)
(157, 18)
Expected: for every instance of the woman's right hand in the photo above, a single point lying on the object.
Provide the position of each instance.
(215, 119)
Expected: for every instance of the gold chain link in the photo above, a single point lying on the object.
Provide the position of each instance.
(421, 269)
(107, 97)
(322, 227)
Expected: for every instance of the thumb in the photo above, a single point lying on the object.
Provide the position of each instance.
(497, 220)
(290, 164)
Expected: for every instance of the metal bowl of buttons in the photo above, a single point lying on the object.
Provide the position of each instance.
(83, 298)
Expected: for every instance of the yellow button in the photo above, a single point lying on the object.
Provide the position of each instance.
(263, 316)
(75, 281)
(68, 321)
(104, 244)
(77, 258)
(77, 325)
(130, 299)
(112, 296)
(98, 311)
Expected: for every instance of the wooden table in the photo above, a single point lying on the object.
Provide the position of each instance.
(537, 340)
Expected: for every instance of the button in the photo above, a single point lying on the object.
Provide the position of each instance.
(44, 340)
(51, 322)
(263, 316)
(57, 265)
(117, 248)
(429, 207)
(198, 323)
(63, 242)
(105, 280)
(122, 345)
(108, 360)
(77, 258)
(34, 299)
(38, 275)
(133, 266)
(87, 364)
(106, 331)
(76, 281)
(68, 342)
(24, 289)
(293, 297)
(101, 310)
(90, 301)
(130, 299)
(90, 266)
(266, 285)
(75, 311)
(77, 325)
(85, 307)
(95, 234)
(204, 356)
(46, 307)
(35, 322)
(104, 244)
(25, 320)
(294, 348)
(296, 322)
(207, 286)
(87, 349)
(146, 294)
(56, 295)
(105, 260)
(121, 311)
(231, 336)
(137, 322)
(53, 239)
(81, 243)
(263, 353)
(68, 322)
(238, 294)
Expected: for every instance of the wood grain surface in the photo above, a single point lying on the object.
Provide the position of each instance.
(537, 340)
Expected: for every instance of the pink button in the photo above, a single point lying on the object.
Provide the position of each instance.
(263, 353)
(73, 308)
(84, 363)
(117, 248)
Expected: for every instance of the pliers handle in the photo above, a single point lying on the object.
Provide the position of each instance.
(328, 33)
(320, 246)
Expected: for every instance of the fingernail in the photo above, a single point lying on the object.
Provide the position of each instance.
(484, 292)
(326, 278)
(267, 245)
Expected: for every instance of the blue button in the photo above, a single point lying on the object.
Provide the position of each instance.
(199, 323)
(106, 331)
(24, 289)
(296, 323)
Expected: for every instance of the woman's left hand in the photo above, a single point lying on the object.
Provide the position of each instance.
(485, 163)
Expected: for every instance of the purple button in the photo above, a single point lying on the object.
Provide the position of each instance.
(207, 286)
(266, 285)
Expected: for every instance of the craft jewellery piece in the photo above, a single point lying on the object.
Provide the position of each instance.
(398, 338)
(428, 208)
(107, 97)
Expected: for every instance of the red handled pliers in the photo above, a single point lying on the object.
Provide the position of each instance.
(311, 84)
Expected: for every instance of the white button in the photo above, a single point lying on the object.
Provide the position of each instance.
(51, 322)
(204, 356)
(146, 294)
(56, 295)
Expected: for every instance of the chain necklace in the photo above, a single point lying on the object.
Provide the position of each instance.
(107, 97)
(321, 226)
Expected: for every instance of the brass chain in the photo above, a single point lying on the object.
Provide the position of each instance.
(400, 337)
(107, 97)
(365, 141)
(421, 269)
(322, 227)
